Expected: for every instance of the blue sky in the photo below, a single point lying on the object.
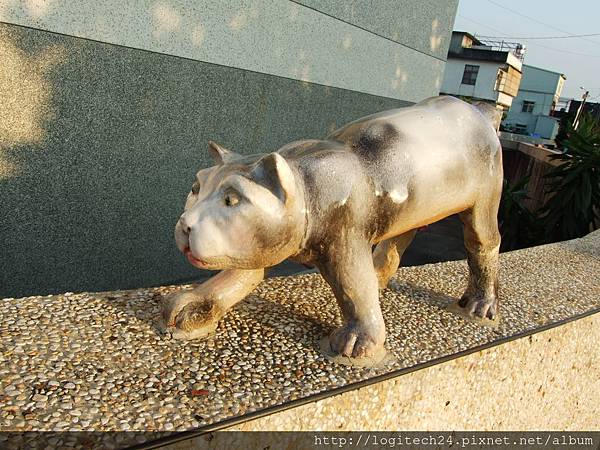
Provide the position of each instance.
(577, 58)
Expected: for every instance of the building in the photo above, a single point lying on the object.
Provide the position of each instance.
(106, 109)
(483, 70)
(531, 111)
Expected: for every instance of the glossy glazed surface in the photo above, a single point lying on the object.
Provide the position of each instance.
(327, 202)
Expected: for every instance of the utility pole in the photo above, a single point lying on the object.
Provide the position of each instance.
(580, 109)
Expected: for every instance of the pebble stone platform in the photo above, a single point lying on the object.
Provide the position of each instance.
(97, 361)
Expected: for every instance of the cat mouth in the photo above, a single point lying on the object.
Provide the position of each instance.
(196, 262)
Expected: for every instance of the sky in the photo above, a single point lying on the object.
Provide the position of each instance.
(577, 58)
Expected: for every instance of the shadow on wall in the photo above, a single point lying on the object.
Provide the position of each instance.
(436, 37)
(400, 77)
(100, 145)
(35, 9)
(25, 99)
(168, 24)
(87, 173)
(171, 28)
(299, 39)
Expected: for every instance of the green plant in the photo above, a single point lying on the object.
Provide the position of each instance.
(573, 208)
(518, 225)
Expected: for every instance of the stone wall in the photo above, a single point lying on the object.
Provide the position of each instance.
(106, 108)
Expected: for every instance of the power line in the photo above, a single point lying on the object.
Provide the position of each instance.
(504, 36)
(499, 5)
(542, 37)
(587, 55)
(481, 24)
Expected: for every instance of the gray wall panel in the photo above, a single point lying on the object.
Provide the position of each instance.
(99, 145)
(269, 36)
(425, 25)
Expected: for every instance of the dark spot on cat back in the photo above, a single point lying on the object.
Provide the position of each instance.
(377, 136)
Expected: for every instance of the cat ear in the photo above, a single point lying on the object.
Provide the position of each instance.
(219, 154)
(274, 172)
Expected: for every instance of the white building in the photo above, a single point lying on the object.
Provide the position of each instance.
(482, 71)
(538, 95)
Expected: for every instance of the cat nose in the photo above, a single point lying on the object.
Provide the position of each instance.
(184, 226)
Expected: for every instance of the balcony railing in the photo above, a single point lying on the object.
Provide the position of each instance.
(516, 48)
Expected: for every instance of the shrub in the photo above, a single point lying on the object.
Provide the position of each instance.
(573, 208)
(518, 226)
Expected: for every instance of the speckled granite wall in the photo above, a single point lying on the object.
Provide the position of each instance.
(394, 49)
(99, 145)
(99, 142)
(424, 25)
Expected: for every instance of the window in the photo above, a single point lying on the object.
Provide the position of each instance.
(527, 106)
(470, 74)
(520, 128)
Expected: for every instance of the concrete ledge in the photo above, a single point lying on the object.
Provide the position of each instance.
(95, 361)
(539, 153)
(513, 141)
(547, 381)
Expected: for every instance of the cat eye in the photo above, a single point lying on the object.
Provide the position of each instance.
(195, 188)
(231, 199)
